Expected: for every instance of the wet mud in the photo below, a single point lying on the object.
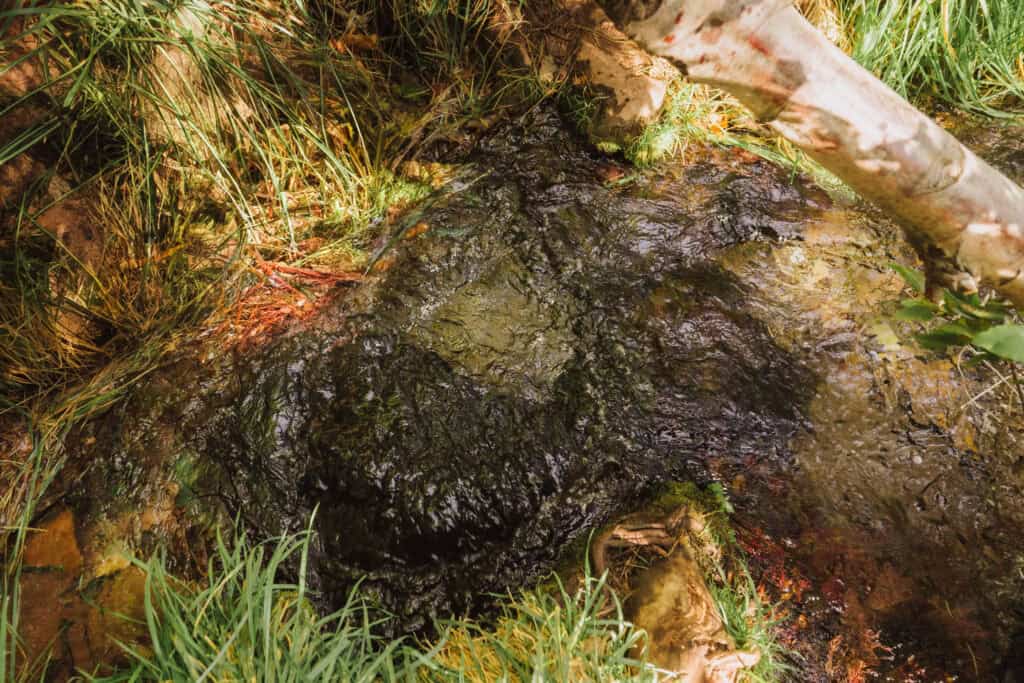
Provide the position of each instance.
(550, 346)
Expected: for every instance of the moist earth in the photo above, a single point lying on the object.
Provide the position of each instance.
(548, 349)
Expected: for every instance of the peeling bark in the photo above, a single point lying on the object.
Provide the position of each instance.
(793, 79)
(607, 60)
(574, 40)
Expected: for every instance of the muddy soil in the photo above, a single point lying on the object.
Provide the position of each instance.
(558, 338)
(545, 352)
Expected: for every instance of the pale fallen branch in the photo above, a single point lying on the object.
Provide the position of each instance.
(795, 80)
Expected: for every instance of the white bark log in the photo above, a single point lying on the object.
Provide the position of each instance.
(808, 90)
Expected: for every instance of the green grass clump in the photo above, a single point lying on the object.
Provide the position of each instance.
(207, 138)
(965, 53)
(547, 634)
(698, 114)
(203, 136)
(749, 621)
(246, 623)
(692, 113)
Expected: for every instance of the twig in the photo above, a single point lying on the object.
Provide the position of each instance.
(989, 390)
(1016, 383)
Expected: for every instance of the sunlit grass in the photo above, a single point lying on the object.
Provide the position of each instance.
(245, 621)
(699, 115)
(199, 138)
(692, 113)
(750, 623)
(547, 634)
(205, 137)
(968, 54)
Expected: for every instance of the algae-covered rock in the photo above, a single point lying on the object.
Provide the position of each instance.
(544, 351)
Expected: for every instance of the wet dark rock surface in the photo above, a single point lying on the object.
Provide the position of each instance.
(554, 346)
(549, 350)
(900, 516)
